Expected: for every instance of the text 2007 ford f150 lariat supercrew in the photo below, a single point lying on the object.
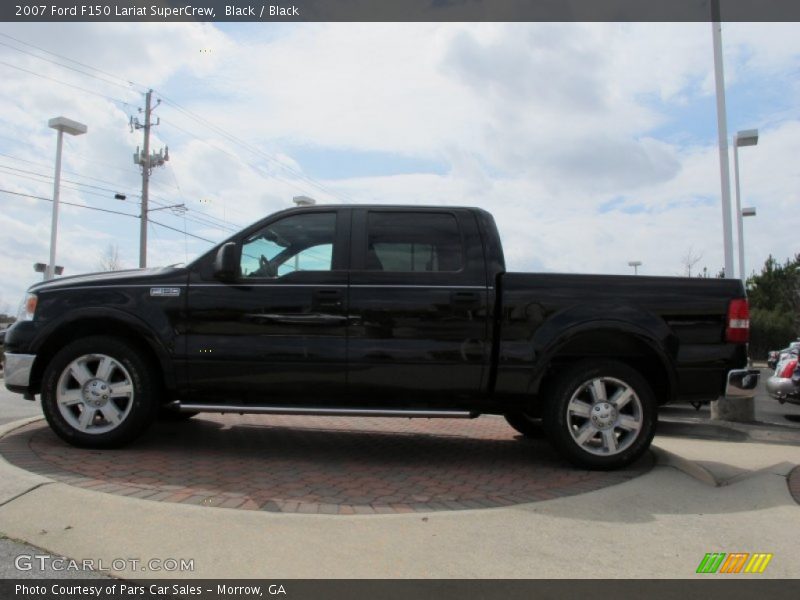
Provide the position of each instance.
(385, 311)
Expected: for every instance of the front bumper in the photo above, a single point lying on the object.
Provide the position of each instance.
(18, 371)
(742, 383)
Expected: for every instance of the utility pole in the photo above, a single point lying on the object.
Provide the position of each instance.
(147, 161)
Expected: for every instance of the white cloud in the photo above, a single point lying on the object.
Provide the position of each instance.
(543, 124)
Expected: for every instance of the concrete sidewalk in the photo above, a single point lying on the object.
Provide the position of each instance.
(702, 496)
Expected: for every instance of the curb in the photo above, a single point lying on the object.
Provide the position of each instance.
(17, 482)
(665, 458)
(9, 427)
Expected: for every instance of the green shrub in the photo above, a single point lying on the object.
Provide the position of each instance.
(770, 330)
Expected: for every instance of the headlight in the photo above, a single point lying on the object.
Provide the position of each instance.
(27, 307)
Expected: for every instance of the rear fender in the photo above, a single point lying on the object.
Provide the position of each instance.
(622, 332)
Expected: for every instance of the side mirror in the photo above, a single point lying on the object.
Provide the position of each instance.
(226, 265)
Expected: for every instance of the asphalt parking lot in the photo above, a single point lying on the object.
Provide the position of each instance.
(767, 410)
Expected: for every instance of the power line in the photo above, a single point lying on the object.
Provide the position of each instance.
(209, 221)
(185, 111)
(254, 167)
(49, 179)
(225, 223)
(96, 187)
(77, 87)
(43, 178)
(19, 41)
(251, 148)
(179, 231)
(73, 154)
(197, 214)
(231, 137)
(127, 87)
(41, 164)
(228, 224)
(114, 212)
(114, 190)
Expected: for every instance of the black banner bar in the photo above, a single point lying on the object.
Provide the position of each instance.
(734, 587)
(397, 10)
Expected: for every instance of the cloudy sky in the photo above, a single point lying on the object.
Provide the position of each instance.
(592, 144)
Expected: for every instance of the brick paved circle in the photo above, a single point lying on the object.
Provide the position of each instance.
(330, 465)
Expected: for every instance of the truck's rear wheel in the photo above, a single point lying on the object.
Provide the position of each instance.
(98, 392)
(600, 414)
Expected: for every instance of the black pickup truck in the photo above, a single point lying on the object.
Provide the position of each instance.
(378, 310)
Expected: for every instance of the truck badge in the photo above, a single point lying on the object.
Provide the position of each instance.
(165, 291)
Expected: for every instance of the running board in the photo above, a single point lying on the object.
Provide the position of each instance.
(322, 411)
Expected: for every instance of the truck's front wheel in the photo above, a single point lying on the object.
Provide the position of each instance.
(98, 392)
(600, 414)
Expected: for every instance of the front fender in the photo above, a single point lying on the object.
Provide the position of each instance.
(159, 341)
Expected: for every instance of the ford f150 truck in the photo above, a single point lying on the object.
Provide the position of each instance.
(378, 310)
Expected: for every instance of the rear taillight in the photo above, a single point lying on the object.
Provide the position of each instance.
(788, 369)
(738, 329)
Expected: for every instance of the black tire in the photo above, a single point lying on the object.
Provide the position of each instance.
(564, 426)
(527, 426)
(137, 413)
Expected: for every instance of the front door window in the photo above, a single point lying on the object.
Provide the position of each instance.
(296, 243)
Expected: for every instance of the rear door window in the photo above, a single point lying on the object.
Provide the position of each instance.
(413, 242)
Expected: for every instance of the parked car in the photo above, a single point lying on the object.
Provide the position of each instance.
(779, 355)
(772, 359)
(784, 384)
(379, 311)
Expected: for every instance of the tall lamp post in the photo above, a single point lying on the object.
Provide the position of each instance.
(747, 137)
(722, 130)
(747, 211)
(62, 125)
(635, 264)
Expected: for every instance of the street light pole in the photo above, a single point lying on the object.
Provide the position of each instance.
(748, 137)
(635, 264)
(51, 264)
(747, 211)
(62, 125)
(722, 127)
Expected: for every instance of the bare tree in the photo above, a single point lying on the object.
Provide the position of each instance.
(690, 260)
(109, 260)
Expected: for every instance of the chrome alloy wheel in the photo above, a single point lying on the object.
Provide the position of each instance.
(94, 393)
(604, 416)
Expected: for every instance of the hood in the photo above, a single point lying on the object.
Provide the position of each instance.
(132, 276)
